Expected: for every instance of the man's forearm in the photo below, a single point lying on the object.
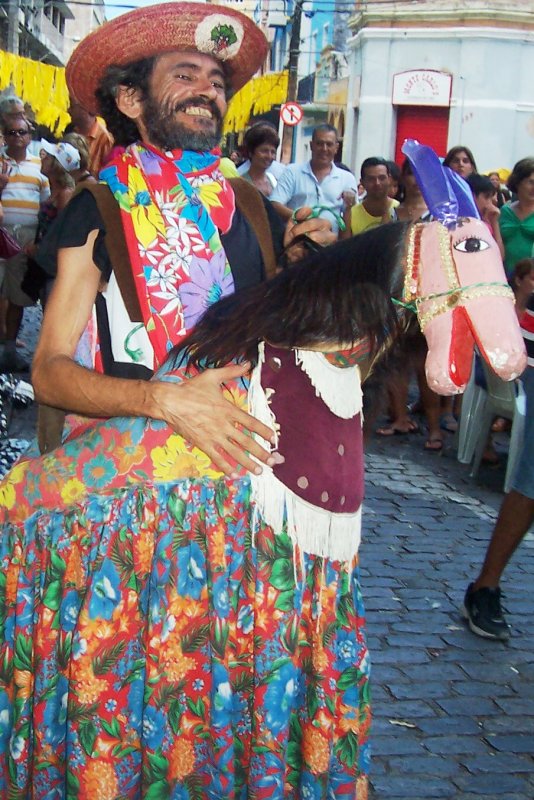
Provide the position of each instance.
(196, 408)
(62, 383)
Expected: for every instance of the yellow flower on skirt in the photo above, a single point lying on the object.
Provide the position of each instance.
(73, 491)
(178, 460)
(7, 489)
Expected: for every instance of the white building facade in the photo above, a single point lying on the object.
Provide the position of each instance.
(445, 72)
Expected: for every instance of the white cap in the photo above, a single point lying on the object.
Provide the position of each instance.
(66, 154)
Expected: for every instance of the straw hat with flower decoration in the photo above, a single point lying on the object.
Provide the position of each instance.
(224, 33)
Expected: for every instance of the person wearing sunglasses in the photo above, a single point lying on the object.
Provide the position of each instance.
(22, 189)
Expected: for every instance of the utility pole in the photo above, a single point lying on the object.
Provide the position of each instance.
(292, 84)
(13, 27)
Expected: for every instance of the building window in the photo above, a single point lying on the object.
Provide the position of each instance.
(54, 15)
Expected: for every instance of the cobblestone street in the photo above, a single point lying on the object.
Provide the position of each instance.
(453, 713)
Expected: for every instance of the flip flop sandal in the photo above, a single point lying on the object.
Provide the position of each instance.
(433, 445)
(389, 430)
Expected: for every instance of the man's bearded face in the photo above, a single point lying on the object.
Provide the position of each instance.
(165, 130)
(186, 102)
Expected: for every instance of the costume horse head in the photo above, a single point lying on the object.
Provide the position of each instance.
(455, 278)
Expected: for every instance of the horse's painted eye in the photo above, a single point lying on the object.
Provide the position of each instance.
(471, 245)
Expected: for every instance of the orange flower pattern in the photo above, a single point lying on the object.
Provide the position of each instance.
(158, 640)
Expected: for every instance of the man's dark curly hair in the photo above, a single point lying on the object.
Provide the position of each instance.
(135, 75)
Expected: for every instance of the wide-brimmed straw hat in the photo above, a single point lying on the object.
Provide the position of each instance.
(219, 31)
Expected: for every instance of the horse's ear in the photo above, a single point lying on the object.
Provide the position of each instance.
(464, 195)
(433, 181)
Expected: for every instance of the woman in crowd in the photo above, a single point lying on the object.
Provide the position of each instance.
(461, 160)
(517, 218)
(58, 162)
(82, 174)
(503, 195)
(261, 143)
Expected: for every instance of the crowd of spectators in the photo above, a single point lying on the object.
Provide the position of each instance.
(34, 189)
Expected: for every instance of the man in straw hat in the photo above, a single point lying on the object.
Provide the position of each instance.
(140, 675)
(168, 236)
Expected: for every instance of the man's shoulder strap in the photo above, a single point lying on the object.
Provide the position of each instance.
(248, 200)
(116, 246)
(250, 203)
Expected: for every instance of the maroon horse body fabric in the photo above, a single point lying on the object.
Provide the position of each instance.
(307, 426)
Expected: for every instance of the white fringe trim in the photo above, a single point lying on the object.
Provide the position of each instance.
(314, 530)
(258, 405)
(340, 388)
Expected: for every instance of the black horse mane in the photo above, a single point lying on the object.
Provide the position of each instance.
(341, 294)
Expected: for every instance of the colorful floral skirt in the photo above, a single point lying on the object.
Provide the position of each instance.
(160, 642)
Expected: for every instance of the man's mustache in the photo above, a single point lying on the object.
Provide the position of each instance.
(201, 101)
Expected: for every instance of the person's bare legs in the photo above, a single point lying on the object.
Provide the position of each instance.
(431, 403)
(401, 422)
(516, 515)
(482, 601)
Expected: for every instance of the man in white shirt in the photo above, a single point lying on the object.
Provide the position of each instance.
(22, 189)
(318, 182)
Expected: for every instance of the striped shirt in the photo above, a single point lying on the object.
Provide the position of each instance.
(26, 189)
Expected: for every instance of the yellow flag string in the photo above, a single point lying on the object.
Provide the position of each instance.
(40, 85)
(43, 87)
(256, 97)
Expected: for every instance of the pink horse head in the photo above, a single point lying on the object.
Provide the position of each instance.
(456, 279)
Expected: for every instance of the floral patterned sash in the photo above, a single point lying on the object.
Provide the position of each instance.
(173, 206)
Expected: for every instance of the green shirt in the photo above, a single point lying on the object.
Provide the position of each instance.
(518, 237)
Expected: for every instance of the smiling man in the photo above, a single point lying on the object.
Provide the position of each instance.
(318, 182)
(168, 236)
(377, 207)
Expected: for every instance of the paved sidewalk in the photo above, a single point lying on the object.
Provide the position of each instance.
(453, 713)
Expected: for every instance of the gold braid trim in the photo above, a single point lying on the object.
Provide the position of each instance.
(459, 297)
(413, 260)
